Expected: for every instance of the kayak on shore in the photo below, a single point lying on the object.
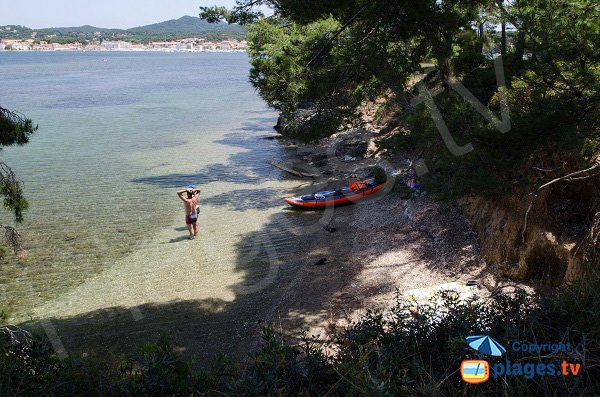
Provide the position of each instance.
(348, 193)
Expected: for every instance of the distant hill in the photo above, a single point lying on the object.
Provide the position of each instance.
(15, 32)
(75, 29)
(184, 27)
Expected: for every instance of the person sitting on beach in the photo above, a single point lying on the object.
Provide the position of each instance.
(190, 202)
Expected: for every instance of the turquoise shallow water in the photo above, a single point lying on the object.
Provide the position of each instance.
(118, 133)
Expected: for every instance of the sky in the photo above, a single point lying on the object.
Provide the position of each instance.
(121, 14)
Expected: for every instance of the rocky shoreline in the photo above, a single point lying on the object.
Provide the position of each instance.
(400, 241)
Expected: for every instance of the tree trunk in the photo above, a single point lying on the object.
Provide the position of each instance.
(503, 41)
(479, 47)
(503, 27)
(444, 70)
(519, 49)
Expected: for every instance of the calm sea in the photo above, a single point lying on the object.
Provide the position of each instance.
(118, 134)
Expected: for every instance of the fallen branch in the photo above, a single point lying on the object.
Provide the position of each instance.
(291, 171)
(581, 177)
(566, 177)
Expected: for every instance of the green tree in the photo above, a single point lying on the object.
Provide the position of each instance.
(15, 129)
(336, 54)
(368, 47)
(561, 38)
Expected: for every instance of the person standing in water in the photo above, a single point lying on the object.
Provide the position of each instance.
(191, 203)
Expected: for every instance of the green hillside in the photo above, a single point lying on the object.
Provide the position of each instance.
(15, 32)
(183, 27)
(186, 25)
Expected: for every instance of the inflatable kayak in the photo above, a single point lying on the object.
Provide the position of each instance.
(350, 192)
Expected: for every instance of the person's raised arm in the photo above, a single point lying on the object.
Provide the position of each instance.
(180, 194)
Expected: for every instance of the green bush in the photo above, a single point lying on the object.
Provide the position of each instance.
(379, 174)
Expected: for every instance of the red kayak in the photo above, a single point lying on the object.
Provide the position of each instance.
(350, 192)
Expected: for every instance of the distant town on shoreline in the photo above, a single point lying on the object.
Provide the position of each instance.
(186, 34)
(182, 45)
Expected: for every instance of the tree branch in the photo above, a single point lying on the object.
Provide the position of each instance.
(10, 188)
(15, 117)
(566, 177)
(15, 128)
(335, 36)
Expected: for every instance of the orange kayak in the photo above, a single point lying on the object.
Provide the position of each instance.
(349, 193)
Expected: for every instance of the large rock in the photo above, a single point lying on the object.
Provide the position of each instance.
(296, 122)
(353, 144)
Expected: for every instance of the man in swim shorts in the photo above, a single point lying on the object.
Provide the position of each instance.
(190, 202)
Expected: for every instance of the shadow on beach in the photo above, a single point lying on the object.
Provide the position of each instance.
(281, 281)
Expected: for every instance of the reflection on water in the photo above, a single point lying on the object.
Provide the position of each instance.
(116, 139)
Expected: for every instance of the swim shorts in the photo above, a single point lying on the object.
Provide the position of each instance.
(191, 219)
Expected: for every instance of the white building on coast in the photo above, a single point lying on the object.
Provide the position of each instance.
(187, 45)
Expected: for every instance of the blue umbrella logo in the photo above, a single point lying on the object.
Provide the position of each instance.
(486, 345)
